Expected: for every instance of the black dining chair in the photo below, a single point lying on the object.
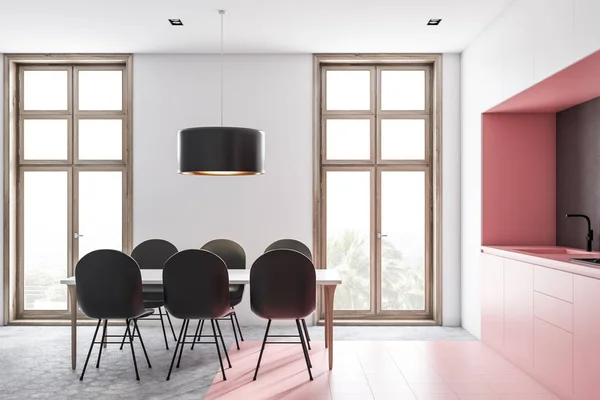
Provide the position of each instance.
(294, 244)
(235, 258)
(153, 254)
(291, 244)
(271, 297)
(109, 286)
(196, 286)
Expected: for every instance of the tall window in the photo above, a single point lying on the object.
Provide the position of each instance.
(72, 176)
(376, 197)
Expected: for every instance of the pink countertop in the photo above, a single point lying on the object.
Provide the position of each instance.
(554, 257)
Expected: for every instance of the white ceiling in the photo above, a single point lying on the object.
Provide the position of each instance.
(251, 26)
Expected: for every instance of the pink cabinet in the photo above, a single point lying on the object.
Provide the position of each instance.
(492, 301)
(518, 312)
(553, 355)
(586, 328)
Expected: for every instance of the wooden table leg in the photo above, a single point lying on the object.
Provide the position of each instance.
(325, 298)
(329, 293)
(73, 297)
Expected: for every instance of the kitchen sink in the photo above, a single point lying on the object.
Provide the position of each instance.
(550, 250)
(592, 261)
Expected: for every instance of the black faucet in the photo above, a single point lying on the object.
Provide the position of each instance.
(590, 234)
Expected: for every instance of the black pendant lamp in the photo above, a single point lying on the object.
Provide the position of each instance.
(221, 150)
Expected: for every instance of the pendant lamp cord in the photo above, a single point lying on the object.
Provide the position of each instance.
(222, 13)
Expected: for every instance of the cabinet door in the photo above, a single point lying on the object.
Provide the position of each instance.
(553, 355)
(518, 311)
(587, 338)
(492, 301)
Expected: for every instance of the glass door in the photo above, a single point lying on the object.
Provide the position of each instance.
(73, 172)
(403, 241)
(99, 210)
(376, 193)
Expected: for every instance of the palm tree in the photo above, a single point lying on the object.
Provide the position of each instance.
(403, 287)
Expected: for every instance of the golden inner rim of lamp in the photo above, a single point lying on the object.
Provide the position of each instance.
(221, 173)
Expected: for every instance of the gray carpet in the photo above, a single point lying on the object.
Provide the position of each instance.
(35, 362)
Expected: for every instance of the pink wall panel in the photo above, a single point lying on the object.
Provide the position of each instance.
(519, 179)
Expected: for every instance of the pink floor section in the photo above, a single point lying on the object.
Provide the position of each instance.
(455, 370)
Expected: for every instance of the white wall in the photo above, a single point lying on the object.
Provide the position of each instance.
(530, 41)
(272, 93)
(451, 189)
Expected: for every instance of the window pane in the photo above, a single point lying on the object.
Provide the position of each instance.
(45, 227)
(402, 90)
(100, 90)
(100, 211)
(402, 139)
(45, 139)
(348, 236)
(100, 139)
(348, 139)
(45, 90)
(348, 90)
(403, 249)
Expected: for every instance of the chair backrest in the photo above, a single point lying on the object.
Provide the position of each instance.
(153, 253)
(231, 252)
(109, 285)
(291, 244)
(235, 258)
(196, 285)
(282, 285)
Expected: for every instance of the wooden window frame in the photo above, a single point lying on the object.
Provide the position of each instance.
(432, 165)
(15, 165)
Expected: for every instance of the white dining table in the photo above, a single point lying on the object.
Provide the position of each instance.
(326, 278)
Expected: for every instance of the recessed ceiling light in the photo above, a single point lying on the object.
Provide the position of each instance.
(434, 21)
(175, 22)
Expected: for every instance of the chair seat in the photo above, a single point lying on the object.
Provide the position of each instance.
(234, 301)
(153, 303)
(144, 314)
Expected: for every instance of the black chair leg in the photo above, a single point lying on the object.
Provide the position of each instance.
(223, 343)
(163, 327)
(90, 352)
(137, 374)
(212, 322)
(238, 325)
(306, 333)
(234, 332)
(176, 348)
(171, 324)
(305, 354)
(187, 324)
(102, 344)
(198, 329)
(262, 349)
(141, 341)
(124, 336)
(306, 357)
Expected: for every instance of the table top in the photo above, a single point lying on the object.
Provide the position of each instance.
(236, 277)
